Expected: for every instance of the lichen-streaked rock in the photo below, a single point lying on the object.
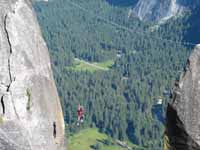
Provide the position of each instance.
(183, 114)
(30, 112)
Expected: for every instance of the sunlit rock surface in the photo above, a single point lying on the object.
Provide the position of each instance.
(183, 113)
(157, 10)
(30, 112)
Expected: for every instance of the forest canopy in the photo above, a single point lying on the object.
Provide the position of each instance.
(122, 100)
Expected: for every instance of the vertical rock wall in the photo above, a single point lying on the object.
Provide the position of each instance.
(30, 112)
(157, 10)
(183, 114)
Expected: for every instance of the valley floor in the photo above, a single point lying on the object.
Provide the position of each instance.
(91, 138)
(82, 65)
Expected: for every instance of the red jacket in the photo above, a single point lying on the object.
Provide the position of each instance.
(80, 111)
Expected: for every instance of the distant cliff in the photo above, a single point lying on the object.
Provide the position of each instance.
(183, 113)
(30, 112)
(157, 10)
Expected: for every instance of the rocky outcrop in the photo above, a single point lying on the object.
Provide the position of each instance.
(183, 113)
(157, 10)
(30, 112)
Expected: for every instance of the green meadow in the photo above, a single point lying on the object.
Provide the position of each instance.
(81, 65)
(89, 139)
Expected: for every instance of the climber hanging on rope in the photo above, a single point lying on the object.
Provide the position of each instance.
(80, 113)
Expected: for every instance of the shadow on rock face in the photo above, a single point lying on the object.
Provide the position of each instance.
(122, 3)
(176, 133)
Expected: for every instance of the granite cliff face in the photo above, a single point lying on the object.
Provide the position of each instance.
(30, 112)
(183, 114)
(157, 10)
